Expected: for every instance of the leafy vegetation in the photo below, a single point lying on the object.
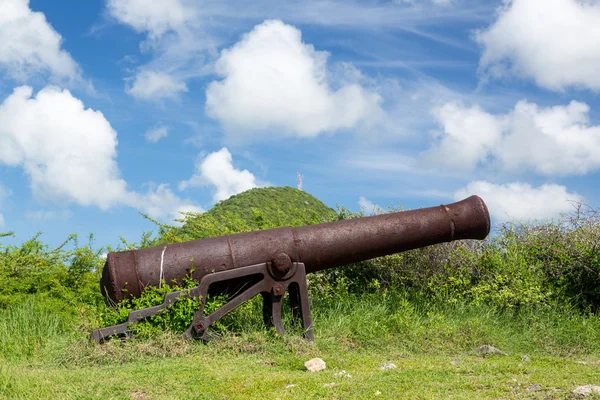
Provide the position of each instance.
(529, 289)
(251, 210)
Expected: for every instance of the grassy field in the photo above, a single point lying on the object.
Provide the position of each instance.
(549, 352)
(216, 373)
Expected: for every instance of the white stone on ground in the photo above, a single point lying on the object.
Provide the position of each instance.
(586, 390)
(388, 366)
(315, 365)
(487, 350)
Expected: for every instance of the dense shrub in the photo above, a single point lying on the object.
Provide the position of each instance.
(68, 273)
(518, 265)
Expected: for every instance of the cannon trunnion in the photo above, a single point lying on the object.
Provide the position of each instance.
(274, 261)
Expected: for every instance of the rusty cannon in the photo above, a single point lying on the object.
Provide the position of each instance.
(275, 261)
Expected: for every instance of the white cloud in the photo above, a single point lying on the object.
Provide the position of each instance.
(554, 42)
(551, 141)
(217, 170)
(4, 192)
(417, 2)
(153, 135)
(154, 17)
(352, 14)
(521, 202)
(174, 39)
(69, 152)
(183, 36)
(30, 46)
(275, 82)
(152, 85)
(44, 215)
(368, 206)
(468, 137)
(161, 203)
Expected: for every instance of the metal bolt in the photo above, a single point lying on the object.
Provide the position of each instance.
(282, 263)
(278, 290)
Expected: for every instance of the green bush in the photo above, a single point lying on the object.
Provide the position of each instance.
(33, 268)
(519, 265)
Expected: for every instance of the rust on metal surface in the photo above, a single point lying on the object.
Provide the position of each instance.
(272, 290)
(283, 254)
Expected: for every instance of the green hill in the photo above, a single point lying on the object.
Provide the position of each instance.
(274, 206)
(260, 208)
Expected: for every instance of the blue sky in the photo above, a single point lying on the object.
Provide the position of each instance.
(109, 108)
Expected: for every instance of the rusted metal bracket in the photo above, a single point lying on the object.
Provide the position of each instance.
(271, 280)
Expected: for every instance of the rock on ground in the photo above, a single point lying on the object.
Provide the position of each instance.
(534, 388)
(388, 366)
(586, 390)
(487, 350)
(315, 365)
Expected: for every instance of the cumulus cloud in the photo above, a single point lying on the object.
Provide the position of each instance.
(520, 201)
(556, 43)
(368, 206)
(173, 38)
(153, 135)
(160, 202)
(217, 170)
(68, 152)
(272, 81)
(469, 135)
(551, 141)
(30, 46)
(152, 85)
(154, 17)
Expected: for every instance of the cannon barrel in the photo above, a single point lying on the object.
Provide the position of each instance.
(319, 247)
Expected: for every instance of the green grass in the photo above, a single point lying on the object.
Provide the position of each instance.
(27, 328)
(433, 346)
(214, 373)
